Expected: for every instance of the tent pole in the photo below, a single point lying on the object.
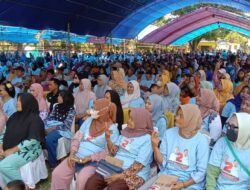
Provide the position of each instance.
(69, 44)
(124, 49)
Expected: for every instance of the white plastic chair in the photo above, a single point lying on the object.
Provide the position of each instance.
(63, 146)
(32, 172)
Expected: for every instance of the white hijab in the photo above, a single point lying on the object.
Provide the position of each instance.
(136, 94)
(243, 140)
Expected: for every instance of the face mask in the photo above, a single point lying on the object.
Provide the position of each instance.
(94, 114)
(159, 83)
(232, 135)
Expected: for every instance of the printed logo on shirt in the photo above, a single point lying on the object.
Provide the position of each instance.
(89, 138)
(230, 169)
(125, 144)
(179, 159)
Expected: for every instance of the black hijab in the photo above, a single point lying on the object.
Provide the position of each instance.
(25, 124)
(115, 98)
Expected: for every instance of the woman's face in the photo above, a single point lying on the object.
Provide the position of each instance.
(130, 88)
(179, 119)
(165, 91)
(60, 99)
(245, 93)
(108, 96)
(3, 92)
(99, 81)
(241, 75)
(233, 122)
(245, 106)
(148, 105)
(81, 88)
(131, 123)
(33, 92)
(19, 104)
(76, 79)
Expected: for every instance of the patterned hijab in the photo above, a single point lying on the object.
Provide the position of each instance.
(143, 123)
(107, 115)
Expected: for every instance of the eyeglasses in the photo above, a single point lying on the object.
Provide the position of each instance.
(231, 126)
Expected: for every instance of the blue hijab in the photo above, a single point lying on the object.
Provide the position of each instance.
(157, 108)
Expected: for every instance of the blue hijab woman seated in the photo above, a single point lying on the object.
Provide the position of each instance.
(229, 166)
(58, 124)
(184, 151)
(21, 142)
(134, 149)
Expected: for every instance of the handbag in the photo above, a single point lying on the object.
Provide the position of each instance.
(236, 157)
(106, 169)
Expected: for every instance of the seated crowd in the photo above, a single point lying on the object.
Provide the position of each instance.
(184, 115)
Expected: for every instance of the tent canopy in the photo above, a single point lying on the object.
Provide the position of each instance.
(192, 21)
(112, 18)
(199, 32)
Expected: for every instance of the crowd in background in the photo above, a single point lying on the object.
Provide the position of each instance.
(185, 113)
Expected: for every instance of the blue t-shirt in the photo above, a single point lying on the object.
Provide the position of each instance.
(135, 103)
(228, 110)
(162, 124)
(90, 145)
(127, 78)
(232, 176)
(185, 158)
(136, 149)
(147, 83)
(9, 107)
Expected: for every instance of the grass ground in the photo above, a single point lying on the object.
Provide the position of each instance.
(45, 184)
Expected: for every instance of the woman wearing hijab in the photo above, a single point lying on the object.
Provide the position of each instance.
(37, 91)
(233, 105)
(102, 86)
(113, 97)
(154, 104)
(58, 124)
(118, 83)
(132, 97)
(184, 151)
(203, 81)
(229, 165)
(87, 147)
(223, 86)
(134, 149)
(209, 107)
(83, 99)
(171, 97)
(7, 93)
(21, 142)
(74, 86)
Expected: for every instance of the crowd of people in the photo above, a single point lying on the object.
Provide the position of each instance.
(186, 114)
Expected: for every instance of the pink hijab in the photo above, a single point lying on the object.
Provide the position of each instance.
(209, 102)
(82, 98)
(143, 123)
(43, 106)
